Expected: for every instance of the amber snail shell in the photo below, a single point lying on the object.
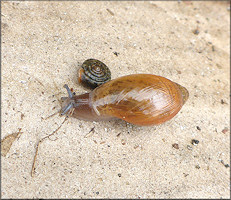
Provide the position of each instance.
(93, 73)
(140, 99)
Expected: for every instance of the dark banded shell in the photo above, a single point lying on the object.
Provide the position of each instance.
(93, 73)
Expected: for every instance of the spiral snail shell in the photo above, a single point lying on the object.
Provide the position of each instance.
(140, 99)
(93, 73)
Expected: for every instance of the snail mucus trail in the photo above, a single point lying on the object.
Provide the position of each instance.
(140, 99)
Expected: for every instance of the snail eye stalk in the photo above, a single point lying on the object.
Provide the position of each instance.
(70, 94)
(67, 108)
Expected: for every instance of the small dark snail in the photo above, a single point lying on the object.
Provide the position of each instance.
(141, 99)
(93, 73)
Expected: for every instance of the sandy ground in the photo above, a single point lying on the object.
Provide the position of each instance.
(44, 43)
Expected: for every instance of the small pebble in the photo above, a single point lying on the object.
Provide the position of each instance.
(110, 11)
(225, 130)
(223, 102)
(185, 174)
(196, 31)
(175, 145)
(22, 116)
(195, 142)
(118, 134)
(222, 162)
(23, 82)
(198, 166)
(116, 53)
(136, 146)
(189, 147)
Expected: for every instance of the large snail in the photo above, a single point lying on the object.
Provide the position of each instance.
(140, 99)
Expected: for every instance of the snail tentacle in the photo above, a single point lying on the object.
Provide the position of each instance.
(67, 108)
(68, 102)
(70, 94)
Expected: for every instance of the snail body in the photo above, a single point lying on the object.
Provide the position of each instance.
(93, 73)
(140, 99)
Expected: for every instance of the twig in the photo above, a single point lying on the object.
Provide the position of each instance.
(40, 141)
(90, 132)
(52, 115)
(36, 153)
